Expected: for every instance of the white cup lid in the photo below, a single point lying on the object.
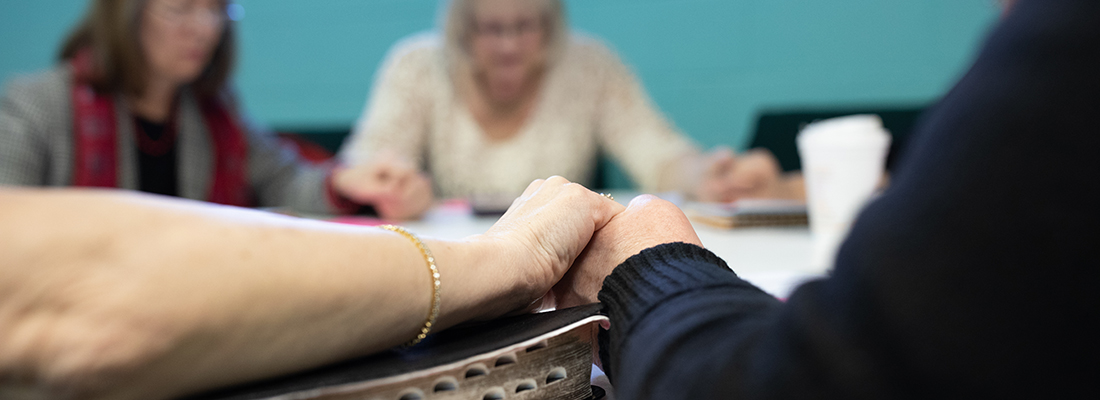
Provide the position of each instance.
(853, 130)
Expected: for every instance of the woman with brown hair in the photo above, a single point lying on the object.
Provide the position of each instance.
(140, 101)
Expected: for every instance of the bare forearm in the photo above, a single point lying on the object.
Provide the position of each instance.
(169, 297)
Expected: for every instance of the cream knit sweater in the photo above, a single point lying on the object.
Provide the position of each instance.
(590, 103)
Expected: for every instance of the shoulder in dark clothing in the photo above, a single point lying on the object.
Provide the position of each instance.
(970, 277)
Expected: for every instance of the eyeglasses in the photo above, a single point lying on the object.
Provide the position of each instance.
(180, 12)
(521, 28)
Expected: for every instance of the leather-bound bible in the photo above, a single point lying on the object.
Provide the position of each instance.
(535, 356)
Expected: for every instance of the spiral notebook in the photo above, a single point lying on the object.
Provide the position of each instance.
(749, 213)
(535, 356)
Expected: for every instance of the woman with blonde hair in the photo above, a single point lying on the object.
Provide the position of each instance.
(140, 101)
(507, 92)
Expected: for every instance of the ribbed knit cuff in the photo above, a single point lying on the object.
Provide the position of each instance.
(646, 279)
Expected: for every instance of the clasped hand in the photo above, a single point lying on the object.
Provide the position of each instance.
(560, 240)
(394, 186)
(727, 177)
(555, 244)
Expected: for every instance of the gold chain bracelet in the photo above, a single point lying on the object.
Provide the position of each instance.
(434, 312)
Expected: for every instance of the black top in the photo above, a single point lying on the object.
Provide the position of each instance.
(156, 157)
(973, 276)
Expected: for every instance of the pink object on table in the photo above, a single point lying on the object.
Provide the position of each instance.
(449, 207)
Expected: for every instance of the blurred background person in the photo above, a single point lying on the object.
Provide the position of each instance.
(507, 92)
(718, 69)
(140, 100)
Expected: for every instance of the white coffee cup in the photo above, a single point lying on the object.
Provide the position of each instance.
(843, 160)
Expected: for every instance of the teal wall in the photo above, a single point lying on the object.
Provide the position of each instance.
(709, 64)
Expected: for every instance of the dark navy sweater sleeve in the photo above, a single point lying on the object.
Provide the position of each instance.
(973, 276)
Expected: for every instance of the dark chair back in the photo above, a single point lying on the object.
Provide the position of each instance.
(776, 129)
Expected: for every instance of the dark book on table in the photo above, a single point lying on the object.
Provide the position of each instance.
(534, 356)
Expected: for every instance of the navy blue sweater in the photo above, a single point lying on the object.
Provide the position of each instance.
(974, 276)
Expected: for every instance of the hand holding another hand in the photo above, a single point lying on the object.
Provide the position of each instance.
(541, 235)
(646, 222)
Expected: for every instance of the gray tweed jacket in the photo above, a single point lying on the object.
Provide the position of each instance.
(36, 148)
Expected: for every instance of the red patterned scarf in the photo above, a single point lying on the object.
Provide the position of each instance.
(95, 140)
